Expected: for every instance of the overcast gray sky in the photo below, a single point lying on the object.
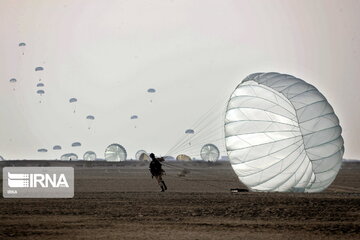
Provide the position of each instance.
(194, 53)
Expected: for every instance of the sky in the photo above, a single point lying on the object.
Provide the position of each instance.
(194, 53)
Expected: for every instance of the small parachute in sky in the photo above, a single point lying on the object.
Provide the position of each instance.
(189, 132)
(69, 157)
(57, 147)
(115, 153)
(282, 135)
(134, 117)
(13, 81)
(89, 156)
(37, 69)
(90, 118)
(22, 45)
(42, 150)
(73, 101)
(76, 144)
(40, 85)
(151, 90)
(40, 92)
(210, 153)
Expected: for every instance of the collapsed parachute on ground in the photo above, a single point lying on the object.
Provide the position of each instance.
(42, 150)
(57, 147)
(210, 152)
(138, 154)
(90, 156)
(282, 135)
(183, 157)
(39, 69)
(69, 157)
(115, 153)
(76, 144)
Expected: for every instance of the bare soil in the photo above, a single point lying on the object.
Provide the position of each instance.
(121, 201)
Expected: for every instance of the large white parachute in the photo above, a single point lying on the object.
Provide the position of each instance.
(69, 157)
(115, 153)
(282, 135)
(89, 156)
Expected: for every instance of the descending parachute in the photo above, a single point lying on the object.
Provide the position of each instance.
(42, 150)
(210, 152)
(73, 101)
(76, 144)
(134, 117)
(57, 147)
(138, 154)
(90, 156)
(151, 90)
(189, 132)
(69, 157)
(115, 153)
(37, 69)
(90, 118)
(40, 85)
(183, 157)
(13, 81)
(40, 92)
(22, 45)
(282, 135)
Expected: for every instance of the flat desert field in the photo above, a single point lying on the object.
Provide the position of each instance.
(121, 201)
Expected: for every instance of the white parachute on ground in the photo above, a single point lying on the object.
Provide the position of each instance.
(69, 157)
(115, 153)
(138, 154)
(183, 157)
(282, 135)
(89, 156)
(210, 153)
(57, 147)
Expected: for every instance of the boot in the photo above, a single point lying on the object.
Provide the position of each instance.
(162, 188)
(163, 183)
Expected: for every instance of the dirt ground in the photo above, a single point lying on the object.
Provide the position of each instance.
(121, 201)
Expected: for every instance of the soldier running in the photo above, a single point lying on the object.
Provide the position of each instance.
(157, 171)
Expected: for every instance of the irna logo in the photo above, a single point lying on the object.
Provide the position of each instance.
(18, 180)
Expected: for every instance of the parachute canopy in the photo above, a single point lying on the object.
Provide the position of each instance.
(42, 150)
(90, 156)
(115, 153)
(144, 157)
(69, 156)
(13, 80)
(72, 100)
(134, 117)
(57, 147)
(151, 90)
(39, 69)
(282, 135)
(210, 152)
(90, 117)
(40, 85)
(76, 144)
(40, 92)
(189, 131)
(22, 44)
(138, 154)
(183, 157)
(1, 158)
